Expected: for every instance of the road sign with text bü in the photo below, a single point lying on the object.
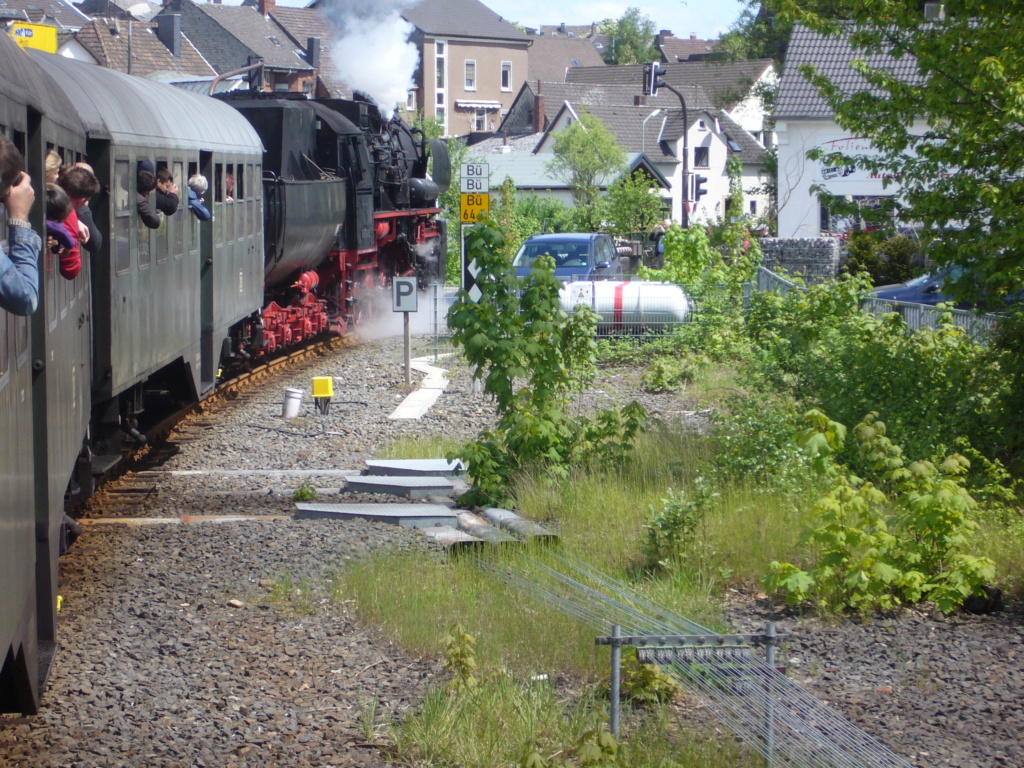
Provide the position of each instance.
(474, 185)
(473, 204)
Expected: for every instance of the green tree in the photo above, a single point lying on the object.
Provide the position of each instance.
(584, 153)
(760, 33)
(632, 206)
(630, 38)
(531, 357)
(949, 135)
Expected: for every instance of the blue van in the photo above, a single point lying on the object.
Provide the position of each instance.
(577, 255)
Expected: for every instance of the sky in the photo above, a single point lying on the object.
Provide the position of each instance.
(707, 19)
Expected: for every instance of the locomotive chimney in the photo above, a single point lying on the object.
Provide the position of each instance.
(267, 7)
(168, 31)
(538, 111)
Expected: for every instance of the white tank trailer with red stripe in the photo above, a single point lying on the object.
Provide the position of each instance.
(633, 306)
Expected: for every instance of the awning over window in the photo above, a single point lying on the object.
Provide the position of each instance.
(467, 104)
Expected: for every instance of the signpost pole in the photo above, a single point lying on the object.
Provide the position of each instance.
(476, 199)
(408, 351)
(404, 299)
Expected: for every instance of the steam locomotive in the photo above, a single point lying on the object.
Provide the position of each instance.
(316, 206)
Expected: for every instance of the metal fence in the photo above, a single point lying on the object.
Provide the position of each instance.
(631, 309)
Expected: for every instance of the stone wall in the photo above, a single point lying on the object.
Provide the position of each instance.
(813, 258)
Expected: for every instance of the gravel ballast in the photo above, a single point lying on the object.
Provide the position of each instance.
(173, 652)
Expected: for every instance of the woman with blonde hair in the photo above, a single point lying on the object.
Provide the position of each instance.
(52, 165)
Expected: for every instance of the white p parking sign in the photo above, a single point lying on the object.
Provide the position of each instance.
(403, 294)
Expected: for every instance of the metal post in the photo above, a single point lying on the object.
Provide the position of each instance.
(616, 680)
(769, 714)
(408, 352)
(686, 155)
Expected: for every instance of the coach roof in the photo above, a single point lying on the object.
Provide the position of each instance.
(134, 110)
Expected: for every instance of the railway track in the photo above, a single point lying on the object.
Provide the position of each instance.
(120, 489)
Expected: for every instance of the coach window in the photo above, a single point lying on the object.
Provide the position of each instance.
(164, 237)
(193, 222)
(218, 198)
(121, 248)
(178, 233)
(240, 195)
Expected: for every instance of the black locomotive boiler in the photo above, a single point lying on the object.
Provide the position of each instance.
(348, 205)
(303, 236)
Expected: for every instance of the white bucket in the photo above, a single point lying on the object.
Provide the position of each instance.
(292, 403)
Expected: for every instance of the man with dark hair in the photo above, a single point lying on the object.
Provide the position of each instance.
(19, 272)
(81, 185)
(145, 182)
(166, 193)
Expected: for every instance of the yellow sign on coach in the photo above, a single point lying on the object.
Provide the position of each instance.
(473, 204)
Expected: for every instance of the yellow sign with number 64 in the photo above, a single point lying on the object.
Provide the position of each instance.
(473, 204)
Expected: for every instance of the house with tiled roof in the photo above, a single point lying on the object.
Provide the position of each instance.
(550, 57)
(55, 13)
(712, 138)
(537, 103)
(804, 122)
(145, 49)
(302, 25)
(140, 10)
(735, 86)
(675, 49)
(653, 132)
(472, 62)
(232, 37)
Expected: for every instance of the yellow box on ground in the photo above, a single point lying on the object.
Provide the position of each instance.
(473, 204)
(323, 386)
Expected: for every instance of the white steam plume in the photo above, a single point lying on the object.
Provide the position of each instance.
(372, 52)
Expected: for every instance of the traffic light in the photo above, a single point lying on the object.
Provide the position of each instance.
(652, 73)
(698, 187)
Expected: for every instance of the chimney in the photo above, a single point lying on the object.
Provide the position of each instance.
(538, 111)
(267, 7)
(693, 37)
(639, 100)
(313, 52)
(168, 31)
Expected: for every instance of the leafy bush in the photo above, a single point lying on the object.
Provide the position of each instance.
(677, 536)
(530, 356)
(897, 536)
(886, 260)
(668, 374)
(753, 436)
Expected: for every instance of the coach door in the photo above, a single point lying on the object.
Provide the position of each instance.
(210, 348)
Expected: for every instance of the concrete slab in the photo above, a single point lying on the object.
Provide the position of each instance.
(416, 404)
(447, 536)
(413, 467)
(520, 526)
(481, 529)
(420, 400)
(410, 487)
(404, 515)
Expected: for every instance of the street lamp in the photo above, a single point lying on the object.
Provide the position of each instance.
(643, 130)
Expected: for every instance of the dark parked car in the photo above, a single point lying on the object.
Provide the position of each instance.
(923, 289)
(577, 255)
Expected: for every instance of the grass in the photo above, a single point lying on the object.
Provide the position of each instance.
(417, 598)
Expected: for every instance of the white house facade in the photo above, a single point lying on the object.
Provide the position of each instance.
(804, 122)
